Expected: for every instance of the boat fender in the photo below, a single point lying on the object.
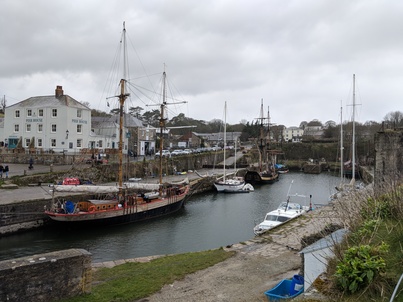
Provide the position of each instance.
(91, 209)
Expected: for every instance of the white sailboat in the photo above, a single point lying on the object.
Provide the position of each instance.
(347, 168)
(233, 184)
(350, 168)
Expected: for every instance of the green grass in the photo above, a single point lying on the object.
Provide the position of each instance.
(132, 281)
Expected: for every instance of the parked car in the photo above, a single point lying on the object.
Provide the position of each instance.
(177, 152)
(165, 153)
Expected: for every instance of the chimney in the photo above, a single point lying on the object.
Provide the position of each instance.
(59, 91)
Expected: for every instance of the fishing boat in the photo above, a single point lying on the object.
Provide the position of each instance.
(265, 172)
(233, 184)
(286, 211)
(121, 203)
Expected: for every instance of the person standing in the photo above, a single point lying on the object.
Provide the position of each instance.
(1, 171)
(6, 170)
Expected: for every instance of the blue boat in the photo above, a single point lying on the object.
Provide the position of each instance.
(286, 289)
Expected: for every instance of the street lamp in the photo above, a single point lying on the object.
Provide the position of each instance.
(67, 134)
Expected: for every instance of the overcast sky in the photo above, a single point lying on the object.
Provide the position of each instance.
(298, 56)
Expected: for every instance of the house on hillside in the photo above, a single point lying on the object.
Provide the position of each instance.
(293, 134)
(313, 133)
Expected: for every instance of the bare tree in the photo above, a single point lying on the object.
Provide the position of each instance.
(395, 118)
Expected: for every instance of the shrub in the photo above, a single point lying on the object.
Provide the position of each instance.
(359, 266)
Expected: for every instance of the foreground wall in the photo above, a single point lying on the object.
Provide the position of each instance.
(46, 277)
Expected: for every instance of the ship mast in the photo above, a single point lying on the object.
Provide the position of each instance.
(162, 123)
(353, 140)
(262, 139)
(122, 97)
(341, 146)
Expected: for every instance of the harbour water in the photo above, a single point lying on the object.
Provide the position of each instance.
(208, 221)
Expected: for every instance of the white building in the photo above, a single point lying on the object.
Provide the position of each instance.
(293, 134)
(56, 122)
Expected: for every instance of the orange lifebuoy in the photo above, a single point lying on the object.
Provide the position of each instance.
(91, 209)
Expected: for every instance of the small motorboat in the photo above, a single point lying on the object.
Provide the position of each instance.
(286, 211)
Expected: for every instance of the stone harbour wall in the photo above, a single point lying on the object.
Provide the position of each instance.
(21, 216)
(46, 277)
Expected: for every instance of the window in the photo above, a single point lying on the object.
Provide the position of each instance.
(79, 112)
(100, 144)
(16, 128)
(29, 112)
(54, 112)
(79, 143)
(40, 112)
(53, 128)
(27, 141)
(39, 142)
(53, 142)
(79, 129)
(28, 127)
(40, 127)
(17, 113)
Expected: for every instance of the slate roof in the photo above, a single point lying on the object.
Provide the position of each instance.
(49, 101)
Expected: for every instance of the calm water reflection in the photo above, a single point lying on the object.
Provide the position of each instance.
(208, 221)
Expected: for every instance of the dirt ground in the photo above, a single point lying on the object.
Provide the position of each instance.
(258, 265)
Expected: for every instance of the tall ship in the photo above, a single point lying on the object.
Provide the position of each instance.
(265, 172)
(120, 204)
